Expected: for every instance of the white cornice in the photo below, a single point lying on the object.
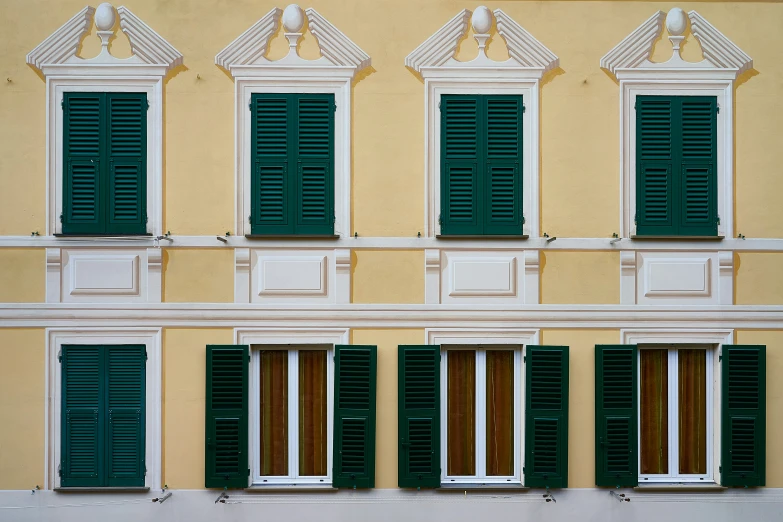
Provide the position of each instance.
(335, 46)
(636, 48)
(252, 44)
(146, 43)
(441, 46)
(522, 46)
(718, 49)
(64, 42)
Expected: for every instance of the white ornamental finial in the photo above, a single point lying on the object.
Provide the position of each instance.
(104, 22)
(482, 23)
(676, 23)
(293, 21)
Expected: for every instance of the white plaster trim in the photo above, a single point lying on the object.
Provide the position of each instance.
(146, 43)
(522, 46)
(242, 270)
(726, 277)
(484, 336)
(636, 48)
(54, 264)
(151, 338)
(64, 42)
(342, 276)
(252, 44)
(441, 46)
(335, 46)
(628, 277)
(532, 276)
(432, 270)
(718, 49)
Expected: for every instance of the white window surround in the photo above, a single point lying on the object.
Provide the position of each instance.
(630, 63)
(333, 72)
(521, 74)
(290, 338)
(450, 338)
(714, 338)
(151, 60)
(151, 338)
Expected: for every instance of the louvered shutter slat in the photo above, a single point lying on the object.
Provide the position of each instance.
(503, 211)
(127, 198)
(656, 124)
(699, 166)
(354, 417)
(315, 158)
(270, 135)
(461, 155)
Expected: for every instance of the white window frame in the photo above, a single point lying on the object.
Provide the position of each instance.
(151, 339)
(715, 338)
(289, 338)
(486, 338)
(674, 475)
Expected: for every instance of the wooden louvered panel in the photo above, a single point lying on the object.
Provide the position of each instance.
(461, 209)
(743, 445)
(126, 458)
(460, 127)
(127, 125)
(654, 120)
(618, 447)
(127, 197)
(354, 379)
(546, 379)
(699, 127)
(228, 368)
(270, 126)
(227, 436)
(618, 382)
(504, 207)
(504, 127)
(547, 437)
(83, 135)
(421, 377)
(315, 198)
(698, 186)
(81, 454)
(353, 446)
(315, 127)
(420, 448)
(126, 386)
(271, 195)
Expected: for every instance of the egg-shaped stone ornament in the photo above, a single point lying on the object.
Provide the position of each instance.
(104, 17)
(293, 18)
(676, 22)
(481, 20)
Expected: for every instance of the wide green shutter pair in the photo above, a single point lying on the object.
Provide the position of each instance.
(481, 165)
(103, 416)
(105, 163)
(676, 166)
(546, 417)
(227, 417)
(743, 415)
(292, 153)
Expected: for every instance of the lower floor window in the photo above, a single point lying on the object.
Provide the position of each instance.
(675, 413)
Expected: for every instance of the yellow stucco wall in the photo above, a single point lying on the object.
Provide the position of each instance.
(392, 276)
(184, 392)
(22, 274)
(22, 401)
(773, 341)
(759, 278)
(198, 276)
(580, 277)
(387, 342)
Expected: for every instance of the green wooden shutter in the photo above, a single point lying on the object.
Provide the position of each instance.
(546, 416)
(743, 415)
(616, 424)
(315, 164)
(126, 415)
(83, 417)
(226, 420)
(462, 143)
(354, 417)
(83, 143)
(419, 416)
(127, 163)
(503, 172)
(271, 128)
(676, 166)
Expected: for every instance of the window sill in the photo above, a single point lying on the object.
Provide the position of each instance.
(102, 490)
(678, 238)
(504, 238)
(453, 486)
(292, 236)
(277, 488)
(104, 236)
(709, 487)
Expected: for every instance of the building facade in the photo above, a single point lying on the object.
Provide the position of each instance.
(385, 260)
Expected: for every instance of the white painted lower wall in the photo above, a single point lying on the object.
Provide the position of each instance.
(391, 505)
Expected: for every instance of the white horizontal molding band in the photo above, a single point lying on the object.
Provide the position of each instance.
(389, 316)
(400, 243)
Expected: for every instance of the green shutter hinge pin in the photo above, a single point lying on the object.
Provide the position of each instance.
(740, 236)
(718, 220)
(35, 233)
(355, 235)
(148, 104)
(524, 109)
(61, 217)
(523, 219)
(36, 489)
(60, 356)
(418, 234)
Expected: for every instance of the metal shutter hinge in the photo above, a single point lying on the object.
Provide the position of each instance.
(718, 108)
(720, 469)
(524, 358)
(719, 220)
(62, 103)
(634, 218)
(720, 358)
(60, 470)
(438, 105)
(61, 217)
(60, 355)
(148, 104)
(146, 219)
(145, 356)
(524, 109)
(250, 106)
(440, 219)
(250, 218)
(523, 219)
(248, 472)
(334, 108)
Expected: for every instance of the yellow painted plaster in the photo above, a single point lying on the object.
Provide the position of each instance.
(22, 275)
(392, 276)
(386, 400)
(198, 275)
(580, 277)
(759, 278)
(581, 396)
(773, 341)
(22, 402)
(184, 392)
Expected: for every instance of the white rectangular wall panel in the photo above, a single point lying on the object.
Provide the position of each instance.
(473, 276)
(104, 275)
(295, 276)
(495, 276)
(682, 278)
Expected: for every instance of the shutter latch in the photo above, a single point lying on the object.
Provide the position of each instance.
(719, 220)
(60, 355)
(717, 108)
(148, 104)
(634, 219)
(250, 218)
(440, 220)
(523, 109)
(60, 470)
(523, 219)
(61, 217)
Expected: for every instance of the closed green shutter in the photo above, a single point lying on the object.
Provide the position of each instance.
(226, 452)
(292, 138)
(676, 167)
(546, 417)
(481, 165)
(743, 415)
(616, 406)
(354, 416)
(419, 417)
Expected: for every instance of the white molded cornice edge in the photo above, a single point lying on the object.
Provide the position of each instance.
(522, 46)
(718, 49)
(636, 48)
(146, 43)
(64, 42)
(251, 45)
(441, 46)
(335, 46)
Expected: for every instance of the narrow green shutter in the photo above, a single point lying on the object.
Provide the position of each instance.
(127, 160)
(83, 417)
(315, 164)
(226, 420)
(462, 143)
(354, 417)
(83, 143)
(616, 406)
(743, 416)
(503, 172)
(126, 394)
(676, 167)
(546, 416)
(419, 416)
(271, 126)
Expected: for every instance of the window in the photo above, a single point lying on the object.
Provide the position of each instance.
(481, 167)
(103, 416)
(292, 184)
(104, 163)
(676, 166)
